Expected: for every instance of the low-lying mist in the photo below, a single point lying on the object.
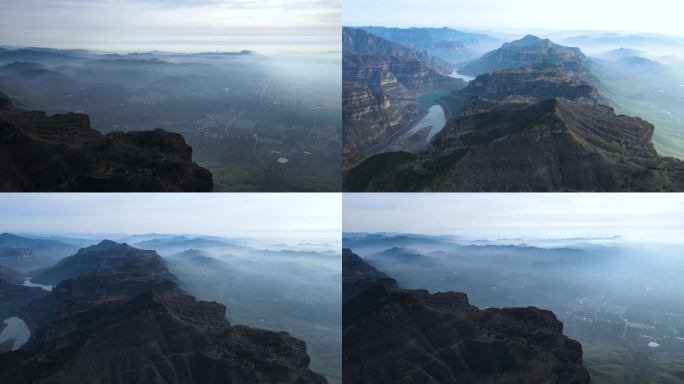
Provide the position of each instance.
(294, 288)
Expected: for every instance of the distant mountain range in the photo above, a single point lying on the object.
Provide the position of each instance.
(116, 305)
(23, 253)
(534, 123)
(446, 43)
(398, 335)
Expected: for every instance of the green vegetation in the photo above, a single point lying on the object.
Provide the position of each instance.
(616, 365)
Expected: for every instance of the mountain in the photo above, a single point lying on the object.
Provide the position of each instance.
(131, 323)
(540, 127)
(186, 242)
(445, 43)
(382, 82)
(361, 42)
(378, 63)
(397, 335)
(103, 256)
(621, 53)
(24, 253)
(553, 145)
(527, 51)
(63, 153)
(400, 255)
(40, 54)
(368, 117)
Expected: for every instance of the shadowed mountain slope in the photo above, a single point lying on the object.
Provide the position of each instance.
(396, 335)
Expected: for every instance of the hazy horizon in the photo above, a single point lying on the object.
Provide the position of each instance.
(632, 217)
(274, 26)
(274, 217)
(657, 17)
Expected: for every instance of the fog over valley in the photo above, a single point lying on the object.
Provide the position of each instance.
(600, 263)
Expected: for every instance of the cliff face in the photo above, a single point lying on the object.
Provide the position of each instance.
(396, 335)
(539, 82)
(382, 82)
(368, 117)
(132, 324)
(63, 153)
(18, 258)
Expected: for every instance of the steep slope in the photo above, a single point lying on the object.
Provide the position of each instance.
(382, 83)
(100, 257)
(361, 41)
(527, 51)
(396, 335)
(554, 145)
(368, 117)
(63, 153)
(378, 63)
(132, 324)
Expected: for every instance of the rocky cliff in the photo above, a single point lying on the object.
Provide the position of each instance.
(382, 83)
(132, 324)
(17, 258)
(394, 335)
(63, 153)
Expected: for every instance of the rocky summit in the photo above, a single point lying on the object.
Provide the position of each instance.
(394, 335)
(63, 153)
(529, 50)
(132, 324)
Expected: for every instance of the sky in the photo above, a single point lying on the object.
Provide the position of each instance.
(654, 16)
(267, 26)
(634, 217)
(308, 217)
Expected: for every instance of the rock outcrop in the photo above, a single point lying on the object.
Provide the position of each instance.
(132, 324)
(17, 258)
(63, 153)
(394, 335)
